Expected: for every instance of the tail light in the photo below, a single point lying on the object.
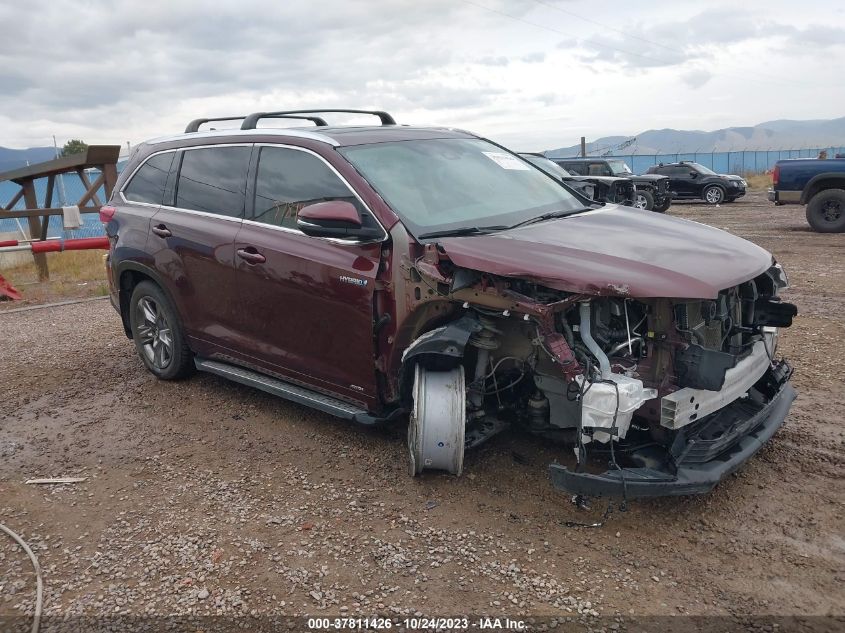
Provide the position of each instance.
(775, 175)
(107, 213)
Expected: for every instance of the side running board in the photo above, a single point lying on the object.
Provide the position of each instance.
(301, 395)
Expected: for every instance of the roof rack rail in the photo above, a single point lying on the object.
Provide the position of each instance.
(251, 121)
(194, 125)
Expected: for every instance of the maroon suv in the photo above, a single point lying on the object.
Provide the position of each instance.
(383, 271)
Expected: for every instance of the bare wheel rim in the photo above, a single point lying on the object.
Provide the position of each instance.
(713, 195)
(640, 203)
(153, 332)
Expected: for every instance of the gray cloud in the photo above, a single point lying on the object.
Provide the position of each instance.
(118, 69)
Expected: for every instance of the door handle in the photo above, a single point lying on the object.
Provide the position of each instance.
(251, 255)
(161, 230)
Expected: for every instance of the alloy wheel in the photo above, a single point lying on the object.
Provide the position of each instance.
(154, 333)
(713, 195)
(640, 202)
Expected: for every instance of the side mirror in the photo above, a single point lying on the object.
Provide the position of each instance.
(693, 174)
(334, 218)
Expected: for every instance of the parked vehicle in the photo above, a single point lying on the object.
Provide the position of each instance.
(599, 188)
(653, 192)
(820, 184)
(378, 272)
(691, 181)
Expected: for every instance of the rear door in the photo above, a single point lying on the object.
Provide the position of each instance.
(137, 202)
(192, 237)
(306, 302)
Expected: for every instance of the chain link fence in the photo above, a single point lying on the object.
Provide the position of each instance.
(742, 162)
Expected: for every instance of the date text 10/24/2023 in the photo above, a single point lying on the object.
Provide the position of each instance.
(418, 623)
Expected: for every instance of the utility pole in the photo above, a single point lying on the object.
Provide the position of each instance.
(62, 194)
(583, 147)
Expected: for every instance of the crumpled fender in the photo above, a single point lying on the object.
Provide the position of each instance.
(439, 349)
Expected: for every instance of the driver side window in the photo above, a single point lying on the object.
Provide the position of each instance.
(289, 179)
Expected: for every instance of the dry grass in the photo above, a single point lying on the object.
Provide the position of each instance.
(73, 274)
(759, 182)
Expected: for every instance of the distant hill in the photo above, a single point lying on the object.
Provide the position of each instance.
(14, 158)
(780, 134)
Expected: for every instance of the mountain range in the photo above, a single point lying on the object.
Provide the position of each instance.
(779, 134)
(14, 158)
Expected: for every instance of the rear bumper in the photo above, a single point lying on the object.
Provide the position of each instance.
(784, 197)
(688, 478)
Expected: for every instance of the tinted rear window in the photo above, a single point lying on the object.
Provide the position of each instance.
(147, 185)
(213, 180)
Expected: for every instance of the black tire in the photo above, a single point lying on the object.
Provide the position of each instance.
(826, 211)
(157, 332)
(713, 194)
(644, 200)
(663, 207)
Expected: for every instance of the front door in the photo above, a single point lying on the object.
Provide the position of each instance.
(307, 303)
(193, 236)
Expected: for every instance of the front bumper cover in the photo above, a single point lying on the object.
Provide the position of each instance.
(688, 478)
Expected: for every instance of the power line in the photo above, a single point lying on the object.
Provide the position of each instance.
(650, 58)
(608, 26)
(637, 37)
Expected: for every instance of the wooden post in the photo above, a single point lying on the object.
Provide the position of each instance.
(583, 147)
(35, 228)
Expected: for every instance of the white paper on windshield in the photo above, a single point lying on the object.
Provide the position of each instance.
(506, 161)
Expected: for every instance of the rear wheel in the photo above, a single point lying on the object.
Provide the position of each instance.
(644, 200)
(826, 211)
(158, 334)
(713, 194)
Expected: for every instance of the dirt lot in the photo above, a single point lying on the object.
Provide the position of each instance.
(211, 498)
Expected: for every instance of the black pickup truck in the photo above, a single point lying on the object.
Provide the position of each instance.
(818, 183)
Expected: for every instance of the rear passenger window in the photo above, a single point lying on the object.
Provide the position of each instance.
(147, 185)
(578, 168)
(290, 179)
(213, 180)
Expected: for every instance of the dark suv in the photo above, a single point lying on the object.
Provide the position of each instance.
(653, 192)
(379, 272)
(611, 189)
(691, 181)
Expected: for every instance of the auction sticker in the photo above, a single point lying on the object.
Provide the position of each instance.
(506, 161)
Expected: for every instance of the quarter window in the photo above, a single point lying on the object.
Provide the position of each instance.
(148, 183)
(290, 179)
(213, 180)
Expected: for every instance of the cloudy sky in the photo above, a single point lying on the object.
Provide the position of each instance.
(532, 74)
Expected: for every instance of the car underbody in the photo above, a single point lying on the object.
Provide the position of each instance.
(673, 393)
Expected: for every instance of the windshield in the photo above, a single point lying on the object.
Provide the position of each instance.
(438, 185)
(704, 170)
(619, 168)
(548, 166)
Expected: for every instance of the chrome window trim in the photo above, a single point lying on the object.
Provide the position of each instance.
(284, 229)
(346, 184)
(313, 136)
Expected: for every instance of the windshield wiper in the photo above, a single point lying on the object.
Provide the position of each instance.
(550, 216)
(464, 230)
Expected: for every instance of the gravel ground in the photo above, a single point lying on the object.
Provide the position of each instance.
(205, 497)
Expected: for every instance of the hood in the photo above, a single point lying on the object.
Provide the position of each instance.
(649, 177)
(732, 177)
(616, 251)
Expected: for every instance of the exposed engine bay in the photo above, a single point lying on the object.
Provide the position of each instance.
(654, 385)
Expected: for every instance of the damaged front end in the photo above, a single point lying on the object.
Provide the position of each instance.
(673, 393)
